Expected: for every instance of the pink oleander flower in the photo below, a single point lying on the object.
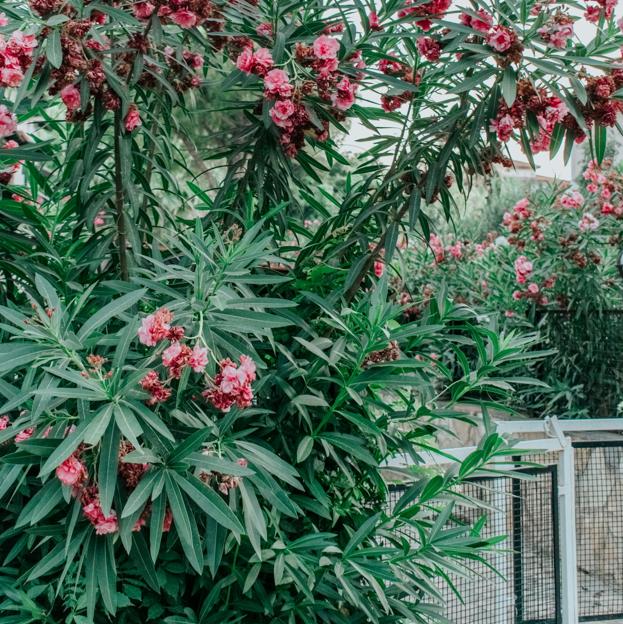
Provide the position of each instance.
(572, 200)
(232, 384)
(184, 18)
(92, 510)
(198, 359)
(503, 127)
(72, 472)
(262, 61)
(244, 62)
(517, 295)
(482, 23)
(4, 20)
(277, 82)
(373, 20)
(429, 48)
(379, 268)
(436, 245)
(456, 250)
(500, 38)
(281, 112)
(8, 122)
(159, 393)
(99, 220)
(523, 269)
(143, 10)
(509, 314)
(588, 222)
(4, 422)
(265, 29)
(71, 97)
(344, 96)
(533, 288)
(155, 327)
(25, 434)
(11, 76)
(326, 47)
(175, 358)
(607, 208)
(132, 119)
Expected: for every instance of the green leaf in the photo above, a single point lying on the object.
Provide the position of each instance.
(114, 308)
(304, 449)
(107, 469)
(509, 85)
(106, 574)
(64, 449)
(600, 136)
(141, 492)
(209, 501)
(185, 524)
(53, 49)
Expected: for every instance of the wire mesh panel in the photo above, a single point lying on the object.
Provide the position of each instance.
(536, 548)
(599, 525)
(520, 583)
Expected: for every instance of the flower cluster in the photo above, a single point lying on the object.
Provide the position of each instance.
(521, 211)
(594, 12)
(606, 185)
(549, 110)
(232, 384)
(395, 98)
(320, 77)
(184, 13)
(557, 30)
(16, 54)
(424, 13)
(523, 269)
(178, 356)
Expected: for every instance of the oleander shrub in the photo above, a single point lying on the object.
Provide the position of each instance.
(204, 369)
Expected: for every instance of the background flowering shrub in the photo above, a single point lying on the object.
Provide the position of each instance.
(199, 389)
(554, 256)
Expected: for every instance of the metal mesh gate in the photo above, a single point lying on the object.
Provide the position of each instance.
(599, 526)
(521, 584)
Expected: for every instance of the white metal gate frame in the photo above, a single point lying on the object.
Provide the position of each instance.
(556, 441)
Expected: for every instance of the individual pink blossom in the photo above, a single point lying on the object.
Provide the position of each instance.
(25, 434)
(437, 247)
(4, 20)
(244, 62)
(232, 384)
(99, 220)
(572, 200)
(503, 127)
(607, 208)
(71, 97)
(429, 48)
(4, 422)
(71, 472)
(533, 288)
(8, 122)
(456, 250)
(277, 82)
(92, 510)
(523, 269)
(11, 76)
(482, 23)
(379, 268)
(588, 222)
(517, 295)
(500, 38)
(326, 47)
(155, 327)
(184, 18)
(373, 20)
(281, 112)
(198, 359)
(509, 314)
(265, 29)
(143, 10)
(176, 358)
(344, 96)
(262, 61)
(132, 119)
(159, 393)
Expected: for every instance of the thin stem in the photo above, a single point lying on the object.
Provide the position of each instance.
(120, 199)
